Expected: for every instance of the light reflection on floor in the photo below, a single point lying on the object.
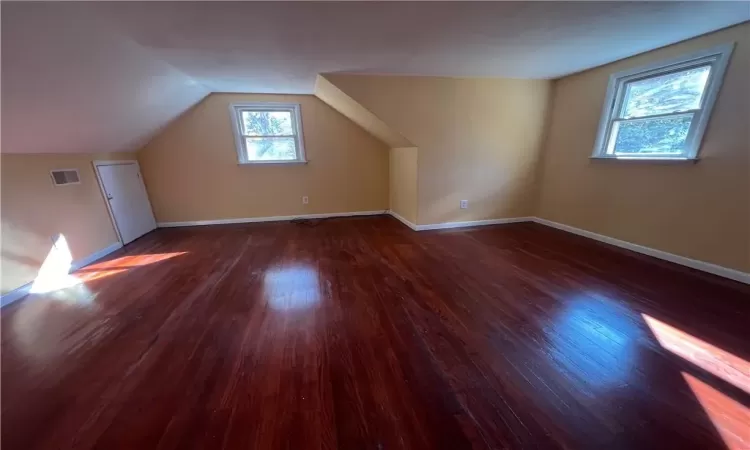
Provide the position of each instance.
(58, 297)
(41, 327)
(594, 340)
(125, 262)
(724, 365)
(291, 287)
(54, 275)
(730, 418)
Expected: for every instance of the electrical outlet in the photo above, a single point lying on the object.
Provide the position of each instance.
(305, 200)
(464, 204)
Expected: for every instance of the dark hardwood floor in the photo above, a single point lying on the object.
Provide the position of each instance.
(362, 334)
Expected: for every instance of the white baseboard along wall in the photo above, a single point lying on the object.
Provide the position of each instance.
(24, 290)
(715, 269)
(268, 219)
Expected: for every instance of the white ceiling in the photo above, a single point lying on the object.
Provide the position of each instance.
(100, 76)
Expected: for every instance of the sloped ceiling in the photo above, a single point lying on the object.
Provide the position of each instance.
(69, 84)
(106, 76)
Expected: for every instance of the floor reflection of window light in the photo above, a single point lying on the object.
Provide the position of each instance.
(291, 287)
(54, 275)
(592, 340)
(724, 365)
(125, 262)
(730, 418)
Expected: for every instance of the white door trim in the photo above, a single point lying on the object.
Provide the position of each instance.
(99, 163)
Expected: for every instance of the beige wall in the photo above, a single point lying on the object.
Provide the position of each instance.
(338, 100)
(700, 211)
(34, 210)
(403, 182)
(478, 139)
(191, 169)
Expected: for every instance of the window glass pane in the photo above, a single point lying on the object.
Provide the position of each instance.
(665, 135)
(679, 91)
(270, 149)
(267, 123)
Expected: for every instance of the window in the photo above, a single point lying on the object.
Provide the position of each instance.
(661, 111)
(268, 133)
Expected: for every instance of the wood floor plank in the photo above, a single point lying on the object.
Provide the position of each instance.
(362, 334)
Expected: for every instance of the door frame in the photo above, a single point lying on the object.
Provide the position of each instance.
(115, 162)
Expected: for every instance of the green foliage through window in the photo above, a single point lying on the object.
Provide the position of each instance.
(658, 135)
(667, 96)
(269, 135)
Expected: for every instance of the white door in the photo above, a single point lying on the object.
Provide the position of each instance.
(127, 199)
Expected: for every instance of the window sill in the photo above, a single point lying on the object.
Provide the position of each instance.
(272, 163)
(646, 160)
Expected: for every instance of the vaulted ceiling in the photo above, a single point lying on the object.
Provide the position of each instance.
(106, 76)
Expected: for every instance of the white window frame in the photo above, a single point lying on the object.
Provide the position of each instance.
(236, 109)
(716, 57)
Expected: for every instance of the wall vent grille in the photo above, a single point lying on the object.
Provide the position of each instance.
(63, 177)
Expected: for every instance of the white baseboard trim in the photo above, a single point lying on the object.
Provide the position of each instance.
(401, 219)
(15, 294)
(715, 269)
(24, 290)
(721, 271)
(447, 225)
(472, 223)
(268, 219)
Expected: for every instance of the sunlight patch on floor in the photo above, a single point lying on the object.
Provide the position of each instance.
(724, 365)
(126, 262)
(730, 418)
(54, 275)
